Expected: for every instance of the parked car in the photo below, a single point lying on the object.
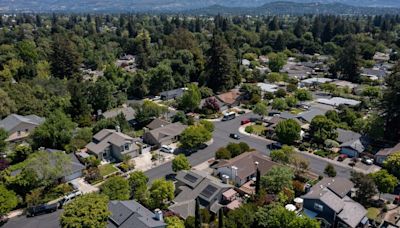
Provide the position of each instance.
(274, 146)
(41, 209)
(234, 136)
(68, 198)
(342, 157)
(167, 149)
(245, 121)
(367, 160)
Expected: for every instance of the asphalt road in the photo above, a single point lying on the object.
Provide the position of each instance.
(221, 138)
(41, 221)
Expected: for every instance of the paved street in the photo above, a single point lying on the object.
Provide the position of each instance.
(221, 138)
(41, 221)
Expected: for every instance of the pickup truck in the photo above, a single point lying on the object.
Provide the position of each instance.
(41, 209)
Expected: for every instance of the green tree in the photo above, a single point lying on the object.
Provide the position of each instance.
(101, 95)
(65, 60)
(3, 137)
(161, 78)
(384, 181)
(174, 222)
(223, 153)
(276, 216)
(284, 155)
(244, 216)
(365, 186)
(288, 131)
(274, 77)
(279, 104)
(349, 61)
(116, 188)
(234, 149)
(55, 132)
(333, 115)
(149, 110)
(261, 109)
(139, 85)
(8, 200)
(392, 164)
(180, 162)
(197, 215)
(303, 95)
(90, 210)
(330, 170)
(191, 98)
(138, 184)
(276, 61)
(221, 73)
(7, 105)
(194, 136)
(21, 152)
(391, 105)
(208, 125)
(277, 179)
(321, 129)
(161, 191)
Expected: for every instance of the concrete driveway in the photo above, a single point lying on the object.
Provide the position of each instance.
(83, 186)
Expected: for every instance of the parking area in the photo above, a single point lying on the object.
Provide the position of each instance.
(152, 159)
(81, 185)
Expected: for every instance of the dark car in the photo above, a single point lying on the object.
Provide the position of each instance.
(41, 209)
(234, 136)
(245, 121)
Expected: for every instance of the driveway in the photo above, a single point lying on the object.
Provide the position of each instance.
(83, 186)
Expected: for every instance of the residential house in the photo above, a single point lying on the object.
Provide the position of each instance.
(382, 155)
(128, 112)
(243, 168)
(157, 123)
(132, 214)
(308, 116)
(351, 143)
(373, 73)
(345, 84)
(380, 57)
(195, 184)
(328, 201)
(337, 101)
(172, 94)
(19, 127)
(76, 170)
(113, 145)
(164, 135)
(230, 99)
(246, 62)
(266, 87)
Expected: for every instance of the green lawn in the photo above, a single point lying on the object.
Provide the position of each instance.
(296, 111)
(107, 169)
(372, 213)
(258, 129)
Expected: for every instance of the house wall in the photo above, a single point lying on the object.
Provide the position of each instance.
(350, 152)
(228, 171)
(327, 213)
(22, 127)
(380, 159)
(149, 139)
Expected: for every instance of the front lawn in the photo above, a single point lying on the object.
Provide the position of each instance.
(258, 129)
(372, 213)
(107, 169)
(325, 154)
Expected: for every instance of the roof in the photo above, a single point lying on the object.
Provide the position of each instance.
(389, 151)
(156, 123)
(355, 144)
(107, 137)
(184, 209)
(352, 212)
(245, 164)
(380, 73)
(229, 97)
(128, 112)
(336, 101)
(267, 87)
(339, 185)
(310, 114)
(168, 131)
(75, 164)
(343, 83)
(316, 80)
(13, 120)
(346, 135)
(131, 214)
(173, 93)
(229, 193)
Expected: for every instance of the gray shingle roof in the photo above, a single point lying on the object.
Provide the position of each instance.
(346, 135)
(352, 212)
(157, 123)
(131, 214)
(105, 138)
(389, 151)
(168, 131)
(310, 114)
(337, 101)
(13, 120)
(128, 112)
(339, 186)
(355, 144)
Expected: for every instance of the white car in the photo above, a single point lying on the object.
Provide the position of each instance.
(368, 161)
(167, 149)
(68, 198)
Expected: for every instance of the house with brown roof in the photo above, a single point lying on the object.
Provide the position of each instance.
(113, 145)
(157, 123)
(164, 135)
(231, 98)
(383, 154)
(329, 202)
(243, 168)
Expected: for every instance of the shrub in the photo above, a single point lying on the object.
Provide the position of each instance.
(249, 129)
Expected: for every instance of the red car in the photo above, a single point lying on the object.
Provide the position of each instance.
(245, 121)
(342, 157)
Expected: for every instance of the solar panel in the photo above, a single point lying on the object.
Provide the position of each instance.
(208, 191)
(190, 178)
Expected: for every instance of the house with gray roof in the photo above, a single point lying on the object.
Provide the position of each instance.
(309, 115)
(19, 127)
(172, 94)
(373, 73)
(337, 101)
(130, 213)
(310, 82)
(195, 184)
(328, 201)
(157, 123)
(384, 153)
(351, 143)
(113, 145)
(164, 135)
(128, 112)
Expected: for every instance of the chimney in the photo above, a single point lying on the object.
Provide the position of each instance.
(118, 128)
(158, 215)
(234, 170)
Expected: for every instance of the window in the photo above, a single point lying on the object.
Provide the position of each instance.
(19, 133)
(318, 207)
(126, 146)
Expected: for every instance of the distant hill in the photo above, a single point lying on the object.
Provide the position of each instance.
(185, 5)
